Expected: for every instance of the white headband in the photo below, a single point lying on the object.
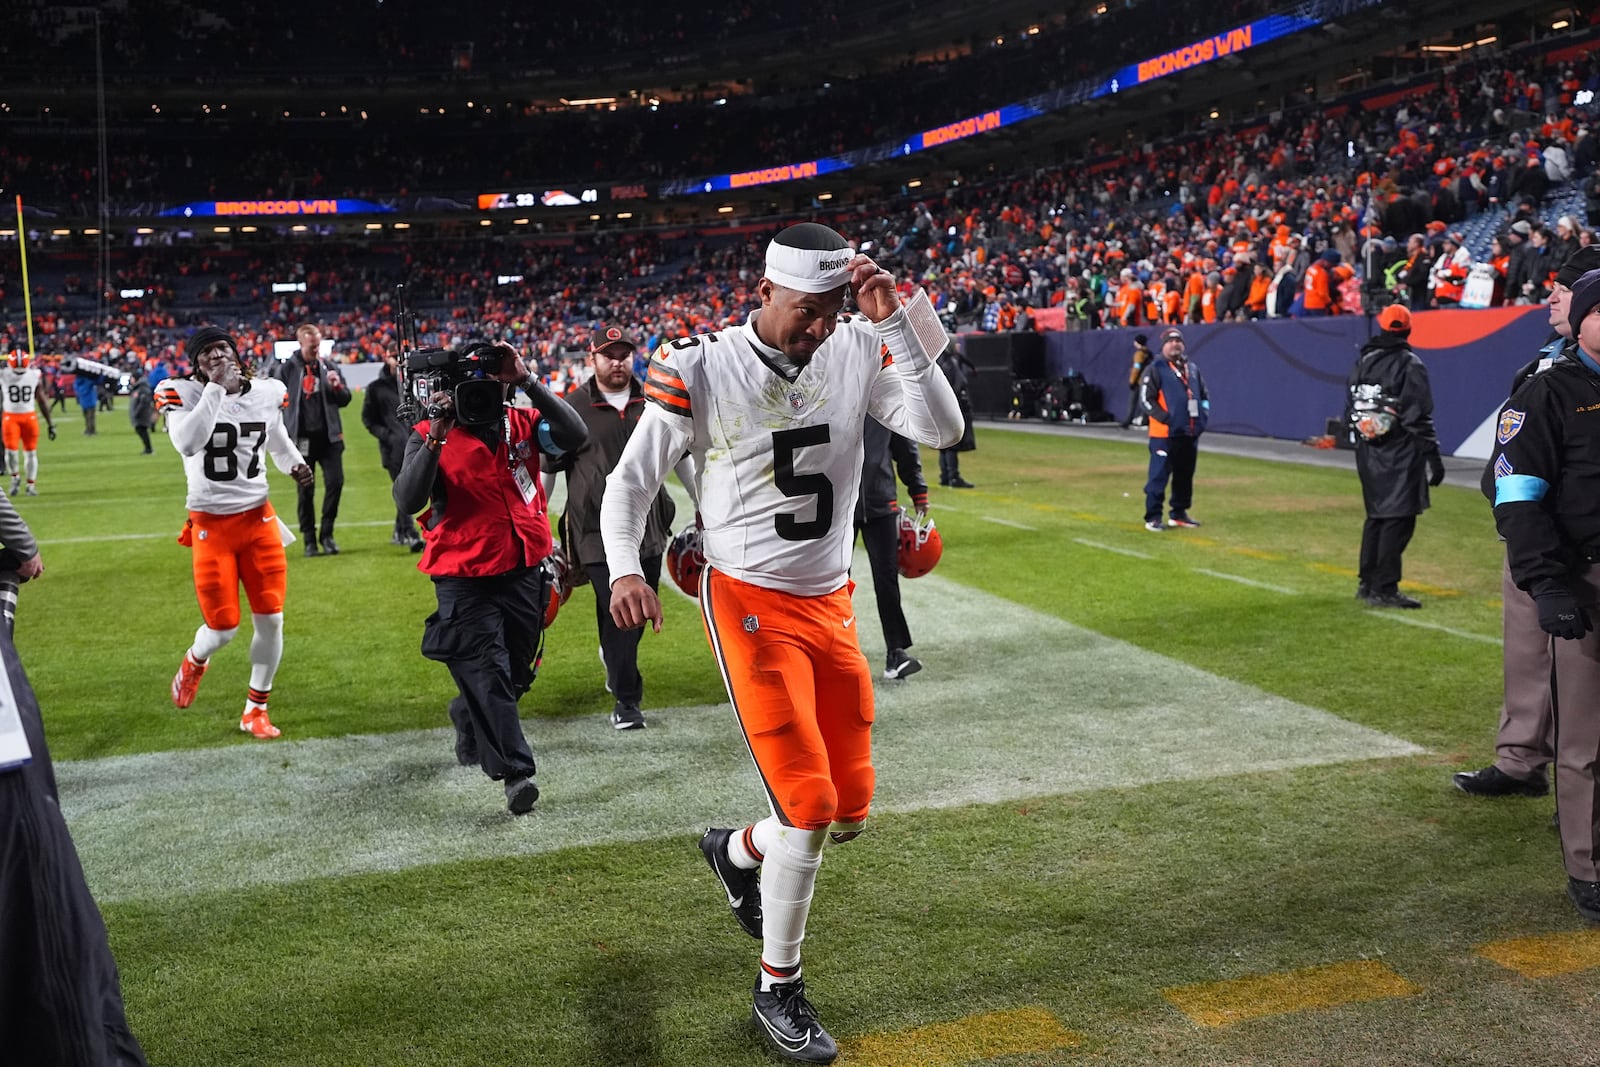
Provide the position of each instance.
(806, 269)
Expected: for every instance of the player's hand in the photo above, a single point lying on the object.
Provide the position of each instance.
(922, 510)
(302, 474)
(439, 428)
(512, 368)
(228, 376)
(873, 288)
(31, 568)
(633, 602)
(52, 431)
(334, 381)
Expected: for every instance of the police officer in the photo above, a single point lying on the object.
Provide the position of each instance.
(1524, 745)
(1547, 507)
(1176, 403)
(486, 538)
(1390, 413)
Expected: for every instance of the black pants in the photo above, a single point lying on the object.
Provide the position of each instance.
(329, 455)
(620, 647)
(882, 538)
(144, 435)
(487, 632)
(60, 995)
(1170, 457)
(1133, 405)
(404, 525)
(1382, 543)
(949, 465)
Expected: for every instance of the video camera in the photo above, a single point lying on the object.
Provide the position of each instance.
(466, 373)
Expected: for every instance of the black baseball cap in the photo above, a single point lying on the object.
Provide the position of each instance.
(612, 333)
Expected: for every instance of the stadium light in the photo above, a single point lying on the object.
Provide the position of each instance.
(298, 227)
(587, 101)
(144, 229)
(821, 196)
(402, 225)
(90, 232)
(374, 225)
(725, 209)
(222, 229)
(1487, 40)
(520, 222)
(914, 183)
(594, 218)
(8, 233)
(624, 214)
(1560, 25)
(247, 229)
(59, 233)
(485, 222)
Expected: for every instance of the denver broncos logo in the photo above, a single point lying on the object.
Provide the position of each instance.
(1511, 421)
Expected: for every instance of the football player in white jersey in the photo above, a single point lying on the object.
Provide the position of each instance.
(19, 426)
(773, 413)
(220, 421)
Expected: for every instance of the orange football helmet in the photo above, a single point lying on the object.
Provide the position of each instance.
(20, 360)
(686, 562)
(559, 570)
(920, 545)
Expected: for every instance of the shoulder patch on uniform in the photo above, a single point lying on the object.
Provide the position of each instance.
(1511, 421)
(1502, 467)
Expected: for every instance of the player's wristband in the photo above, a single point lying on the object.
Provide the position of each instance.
(431, 443)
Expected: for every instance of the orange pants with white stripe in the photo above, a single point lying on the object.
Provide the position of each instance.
(230, 549)
(802, 690)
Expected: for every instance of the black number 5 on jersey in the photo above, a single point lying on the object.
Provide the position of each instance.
(784, 444)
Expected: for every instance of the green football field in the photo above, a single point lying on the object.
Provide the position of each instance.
(1171, 799)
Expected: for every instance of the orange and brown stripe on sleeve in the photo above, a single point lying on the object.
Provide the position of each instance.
(167, 398)
(665, 387)
(887, 358)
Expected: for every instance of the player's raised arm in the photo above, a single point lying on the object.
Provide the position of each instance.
(911, 395)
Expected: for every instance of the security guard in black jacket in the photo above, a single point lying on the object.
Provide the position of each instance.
(1547, 507)
(1525, 744)
(1390, 413)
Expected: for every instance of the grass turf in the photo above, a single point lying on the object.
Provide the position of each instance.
(1088, 904)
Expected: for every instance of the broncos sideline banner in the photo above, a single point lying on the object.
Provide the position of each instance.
(1286, 377)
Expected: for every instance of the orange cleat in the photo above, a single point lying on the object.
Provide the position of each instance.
(255, 723)
(186, 683)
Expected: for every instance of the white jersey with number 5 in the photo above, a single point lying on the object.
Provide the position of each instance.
(19, 387)
(778, 462)
(222, 439)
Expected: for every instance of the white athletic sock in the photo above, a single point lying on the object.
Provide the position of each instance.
(748, 847)
(266, 649)
(30, 466)
(13, 462)
(786, 880)
(207, 641)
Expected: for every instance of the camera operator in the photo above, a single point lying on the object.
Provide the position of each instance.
(474, 466)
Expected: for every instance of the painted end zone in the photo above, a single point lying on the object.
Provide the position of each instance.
(1222, 1003)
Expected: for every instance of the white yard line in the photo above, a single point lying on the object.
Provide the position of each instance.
(1389, 616)
(1008, 522)
(1111, 548)
(1251, 582)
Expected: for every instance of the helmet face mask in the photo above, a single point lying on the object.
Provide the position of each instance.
(686, 562)
(559, 570)
(920, 546)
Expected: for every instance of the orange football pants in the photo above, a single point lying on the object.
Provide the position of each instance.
(229, 549)
(19, 431)
(802, 690)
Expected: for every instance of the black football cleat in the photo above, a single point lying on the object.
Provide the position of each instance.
(790, 1023)
(743, 887)
(1493, 782)
(900, 664)
(521, 794)
(330, 547)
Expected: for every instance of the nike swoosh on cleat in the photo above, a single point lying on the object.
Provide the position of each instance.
(735, 902)
(779, 1039)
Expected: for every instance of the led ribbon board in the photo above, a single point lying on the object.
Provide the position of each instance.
(268, 208)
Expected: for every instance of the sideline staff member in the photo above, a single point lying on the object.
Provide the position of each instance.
(773, 413)
(1178, 407)
(1547, 507)
(610, 404)
(486, 537)
(316, 393)
(1390, 414)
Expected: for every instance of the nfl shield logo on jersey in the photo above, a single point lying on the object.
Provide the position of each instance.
(751, 624)
(797, 400)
